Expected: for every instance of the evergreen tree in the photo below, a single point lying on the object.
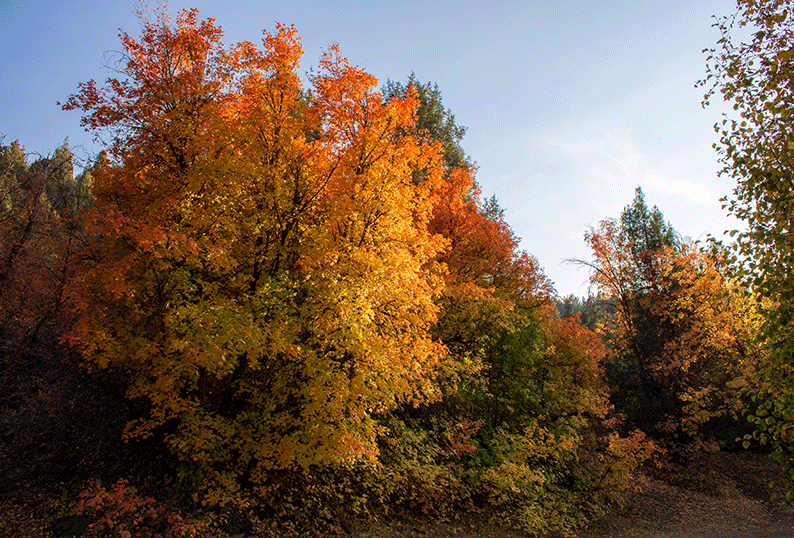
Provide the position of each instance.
(431, 117)
(645, 233)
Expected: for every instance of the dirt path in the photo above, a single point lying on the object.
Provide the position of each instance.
(665, 511)
(737, 507)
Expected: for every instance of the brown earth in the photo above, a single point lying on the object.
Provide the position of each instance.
(731, 499)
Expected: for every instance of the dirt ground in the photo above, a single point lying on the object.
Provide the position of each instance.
(736, 504)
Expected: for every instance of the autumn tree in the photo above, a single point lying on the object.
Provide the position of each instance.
(682, 349)
(263, 268)
(756, 146)
(38, 245)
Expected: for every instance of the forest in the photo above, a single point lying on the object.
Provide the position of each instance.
(287, 303)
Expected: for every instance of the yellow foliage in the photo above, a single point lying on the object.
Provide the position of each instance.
(264, 273)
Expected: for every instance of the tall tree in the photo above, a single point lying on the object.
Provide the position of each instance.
(757, 150)
(264, 271)
(682, 347)
(433, 120)
(646, 233)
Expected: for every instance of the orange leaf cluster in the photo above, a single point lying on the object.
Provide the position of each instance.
(264, 267)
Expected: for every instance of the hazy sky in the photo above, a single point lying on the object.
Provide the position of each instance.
(569, 105)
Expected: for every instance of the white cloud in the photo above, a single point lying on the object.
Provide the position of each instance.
(557, 181)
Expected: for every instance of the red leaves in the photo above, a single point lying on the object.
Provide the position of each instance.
(123, 512)
(483, 251)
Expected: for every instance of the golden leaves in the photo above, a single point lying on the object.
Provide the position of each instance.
(267, 274)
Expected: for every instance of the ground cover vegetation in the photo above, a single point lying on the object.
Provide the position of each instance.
(286, 303)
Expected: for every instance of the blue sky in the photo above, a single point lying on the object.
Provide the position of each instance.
(569, 105)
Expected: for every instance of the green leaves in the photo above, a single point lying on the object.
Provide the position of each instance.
(756, 152)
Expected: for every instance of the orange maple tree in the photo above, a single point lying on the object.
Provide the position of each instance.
(263, 268)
